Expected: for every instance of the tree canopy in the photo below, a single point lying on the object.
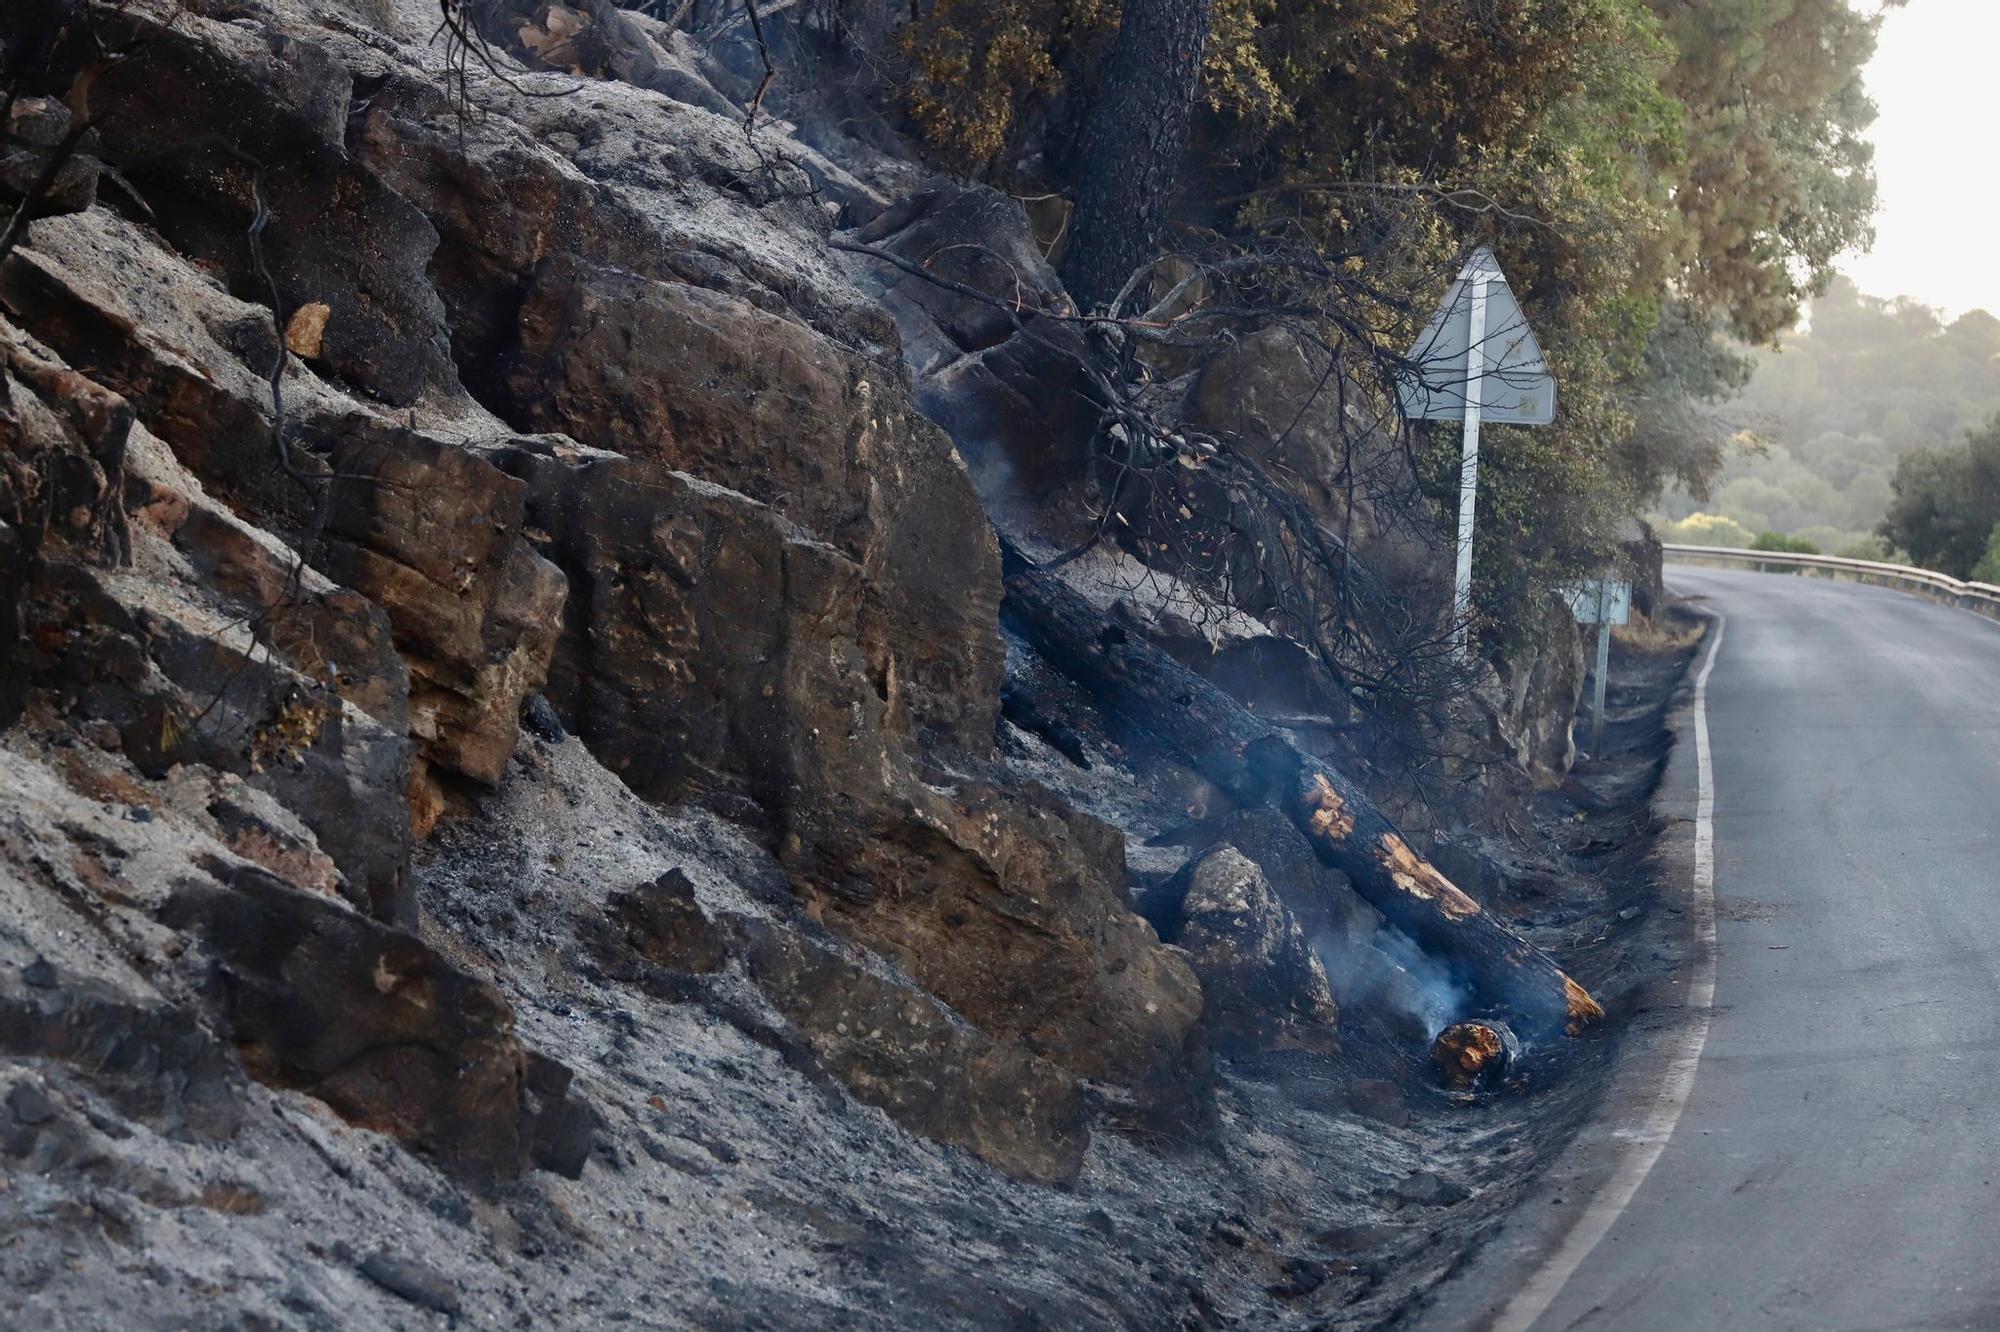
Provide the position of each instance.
(1654, 174)
(1946, 506)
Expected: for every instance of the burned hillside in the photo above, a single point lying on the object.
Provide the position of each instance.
(616, 708)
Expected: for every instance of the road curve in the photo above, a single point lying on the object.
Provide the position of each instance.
(1836, 1164)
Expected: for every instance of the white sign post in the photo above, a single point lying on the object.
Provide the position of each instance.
(1468, 465)
(1479, 326)
(1602, 602)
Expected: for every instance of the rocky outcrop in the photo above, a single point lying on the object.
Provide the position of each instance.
(797, 644)
(376, 1024)
(1011, 907)
(895, 1047)
(433, 535)
(151, 949)
(1529, 702)
(345, 238)
(183, 683)
(762, 580)
(709, 643)
(707, 383)
(1265, 985)
(714, 647)
(62, 457)
(190, 359)
(35, 129)
(663, 923)
(329, 633)
(414, 524)
(850, 1018)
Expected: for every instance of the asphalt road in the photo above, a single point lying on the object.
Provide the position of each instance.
(1836, 1164)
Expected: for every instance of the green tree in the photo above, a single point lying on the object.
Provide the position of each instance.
(1872, 547)
(1652, 173)
(1779, 177)
(1836, 405)
(1947, 502)
(1789, 545)
(1707, 529)
(1988, 568)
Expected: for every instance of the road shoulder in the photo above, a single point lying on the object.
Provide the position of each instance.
(1514, 1276)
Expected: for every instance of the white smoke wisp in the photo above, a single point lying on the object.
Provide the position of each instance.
(1389, 973)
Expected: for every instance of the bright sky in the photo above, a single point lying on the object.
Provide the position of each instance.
(1933, 78)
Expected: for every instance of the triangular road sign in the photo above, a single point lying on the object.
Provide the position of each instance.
(1513, 385)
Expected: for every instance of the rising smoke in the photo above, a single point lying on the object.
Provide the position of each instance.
(1388, 974)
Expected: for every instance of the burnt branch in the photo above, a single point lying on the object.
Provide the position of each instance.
(1221, 521)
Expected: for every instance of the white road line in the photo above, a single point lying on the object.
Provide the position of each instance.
(1535, 1297)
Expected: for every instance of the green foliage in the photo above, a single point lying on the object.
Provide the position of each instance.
(1988, 568)
(983, 71)
(1721, 138)
(980, 65)
(1947, 502)
(1651, 172)
(1789, 545)
(1779, 179)
(1872, 547)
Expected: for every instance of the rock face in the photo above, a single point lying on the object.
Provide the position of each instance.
(35, 127)
(897, 1048)
(432, 534)
(151, 327)
(1530, 702)
(347, 239)
(709, 643)
(180, 682)
(562, 397)
(1011, 908)
(713, 647)
(664, 923)
(371, 1021)
(227, 969)
(707, 383)
(62, 457)
(852, 1019)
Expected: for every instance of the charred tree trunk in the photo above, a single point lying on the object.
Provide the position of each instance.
(1132, 143)
(1240, 753)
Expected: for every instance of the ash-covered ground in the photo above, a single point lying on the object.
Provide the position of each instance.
(733, 1184)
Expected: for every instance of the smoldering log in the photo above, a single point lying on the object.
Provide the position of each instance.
(1479, 1052)
(1237, 751)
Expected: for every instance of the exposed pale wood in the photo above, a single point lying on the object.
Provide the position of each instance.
(1475, 1053)
(1245, 757)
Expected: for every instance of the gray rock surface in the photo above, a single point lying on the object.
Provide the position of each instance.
(1263, 981)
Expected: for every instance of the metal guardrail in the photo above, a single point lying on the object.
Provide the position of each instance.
(1980, 598)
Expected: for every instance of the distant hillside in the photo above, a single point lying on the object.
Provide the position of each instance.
(1863, 384)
